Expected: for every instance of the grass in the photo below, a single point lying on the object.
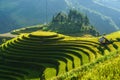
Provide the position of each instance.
(40, 53)
(27, 29)
(4, 39)
(109, 70)
(92, 71)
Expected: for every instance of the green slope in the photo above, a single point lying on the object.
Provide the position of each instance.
(103, 68)
(28, 29)
(108, 70)
(34, 56)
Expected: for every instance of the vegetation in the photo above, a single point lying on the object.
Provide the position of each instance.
(4, 39)
(108, 70)
(72, 23)
(28, 29)
(96, 70)
(99, 15)
(35, 55)
(26, 15)
(44, 55)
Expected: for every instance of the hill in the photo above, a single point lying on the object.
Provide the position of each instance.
(104, 15)
(105, 68)
(105, 71)
(73, 23)
(35, 55)
(5, 37)
(6, 22)
(99, 14)
(28, 29)
(21, 13)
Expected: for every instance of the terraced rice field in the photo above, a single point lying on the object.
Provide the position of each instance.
(43, 55)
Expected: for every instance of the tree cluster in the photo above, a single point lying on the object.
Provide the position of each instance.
(73, 22)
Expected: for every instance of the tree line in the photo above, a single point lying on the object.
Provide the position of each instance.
(71, 23)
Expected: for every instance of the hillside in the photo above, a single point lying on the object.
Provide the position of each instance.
(114, 4)
(73, 23)
(100, 15)
(20, 13)
(103, 14)
(105, 68)
(28, 29)
(35, 55)
(5, 37)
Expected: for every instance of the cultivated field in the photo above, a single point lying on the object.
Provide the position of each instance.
(43, 55)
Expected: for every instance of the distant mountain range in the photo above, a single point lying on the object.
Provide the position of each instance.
(103, 14)
(21, 13)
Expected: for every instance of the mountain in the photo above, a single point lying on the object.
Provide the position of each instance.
(105, 18)
(6, 22)
(74, 23)
(27, 12)
(112, 3)
(103, 14)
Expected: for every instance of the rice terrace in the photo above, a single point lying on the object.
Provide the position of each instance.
(44, 55)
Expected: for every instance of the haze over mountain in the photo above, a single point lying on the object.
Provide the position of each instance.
(59, 36)
(103, 14)
(27, 12)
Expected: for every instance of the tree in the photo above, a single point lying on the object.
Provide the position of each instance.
(73, 22)
(59, 18)
(86, 21)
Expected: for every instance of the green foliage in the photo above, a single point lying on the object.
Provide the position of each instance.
(35, 55)
(94, 71)
(71, 23)
(4, 39)
(109, 70)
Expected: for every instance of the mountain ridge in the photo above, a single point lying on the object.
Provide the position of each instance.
(28, 13)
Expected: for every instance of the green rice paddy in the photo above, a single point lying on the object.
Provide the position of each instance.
(42, 55)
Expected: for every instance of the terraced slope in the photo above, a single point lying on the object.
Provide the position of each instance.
(108, 70)
(42, 55)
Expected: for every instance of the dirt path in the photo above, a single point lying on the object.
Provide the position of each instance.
(8, 35)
